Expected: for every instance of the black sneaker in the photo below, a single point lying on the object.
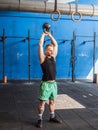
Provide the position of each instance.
(55, 120)
(40, 123)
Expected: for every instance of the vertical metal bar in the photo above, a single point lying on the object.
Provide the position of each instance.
(19, 4)
(29, 56)
(73, 57)
(72, 60)
(3, 55)
(55, 5)
(76, 5)
(94, 56)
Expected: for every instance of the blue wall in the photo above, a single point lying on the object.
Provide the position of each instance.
(16, 49)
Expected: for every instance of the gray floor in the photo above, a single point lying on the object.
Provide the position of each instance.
(76, 105)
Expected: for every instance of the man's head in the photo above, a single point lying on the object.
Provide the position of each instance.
(49, 50)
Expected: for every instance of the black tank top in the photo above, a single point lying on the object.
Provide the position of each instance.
(49, 69)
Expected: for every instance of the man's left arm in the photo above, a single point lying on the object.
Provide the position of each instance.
(55, 45)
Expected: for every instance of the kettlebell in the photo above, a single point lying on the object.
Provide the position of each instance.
(46, 27)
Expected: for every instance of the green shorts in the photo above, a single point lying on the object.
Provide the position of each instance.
(48, 90)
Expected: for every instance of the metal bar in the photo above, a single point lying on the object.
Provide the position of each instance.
(20, 37)
(29, 6)
(76, 5)
(14, 37)
(55, 5)
(3, 54)
(94, 56)
(83, 36)
(29, 65)
(73, 57)
(30, 38)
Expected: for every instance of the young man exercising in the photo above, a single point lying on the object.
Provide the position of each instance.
(48, 87)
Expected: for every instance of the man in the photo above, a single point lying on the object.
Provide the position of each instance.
(48, 88)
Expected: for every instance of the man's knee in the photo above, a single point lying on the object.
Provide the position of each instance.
(51, 102)
(41, 104)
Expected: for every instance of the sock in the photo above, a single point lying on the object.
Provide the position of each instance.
(41, 113)
(40, 116)
(52, 115)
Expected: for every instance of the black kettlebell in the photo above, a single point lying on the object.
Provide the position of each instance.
(46, 27)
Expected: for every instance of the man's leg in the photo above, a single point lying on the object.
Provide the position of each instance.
(40, 113)
(52, 112)
(51, 108)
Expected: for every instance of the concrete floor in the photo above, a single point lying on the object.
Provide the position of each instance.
(76, 105)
